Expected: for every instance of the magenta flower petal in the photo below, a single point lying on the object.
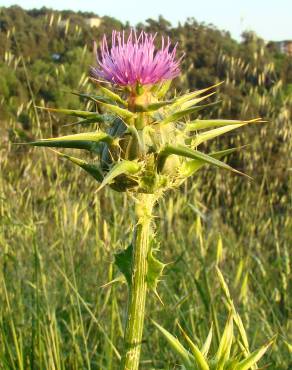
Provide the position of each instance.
(135, 60)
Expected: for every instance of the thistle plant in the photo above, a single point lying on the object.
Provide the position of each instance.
(142, 144)
(233, 353)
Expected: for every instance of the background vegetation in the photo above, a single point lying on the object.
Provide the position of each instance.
(57, 236)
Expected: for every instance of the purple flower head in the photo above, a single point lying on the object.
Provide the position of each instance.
(135, 60)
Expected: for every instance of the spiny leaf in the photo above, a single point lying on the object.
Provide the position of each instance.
(152, 107)
(77, 113)
(199, 357)
(195, 101)
(184, 98)
(87, 140)
(200, 124)
(88, 121)
(177, 346)
(190, 167)
(121, 112)
(154, 272)
(211, 134)
(254, 357)
(123, 260)
(185, 112)
(110, 94)
(123, 167)
(92, 169)
(184, 151)
(93, 97)
(161, 89)
(134, 132)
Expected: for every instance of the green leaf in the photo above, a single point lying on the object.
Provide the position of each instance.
(200, 124)
(211, 134)
(185, 151)
(161, 89)
(110, 94)
(198, 355)
(121, 112)
(177, 346)
(93, 170)
(123, 260)
(88, 121)
(154, 272)
(123, 167)
(87, 140)
(93, 97)
(254, 357)
(195, 101)
(134, 132)
(77, 113)
(184, 112)
(186, 97)
(171, 104)
(190, 167)
(152, 107)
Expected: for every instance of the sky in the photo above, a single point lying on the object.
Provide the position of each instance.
(270, 19)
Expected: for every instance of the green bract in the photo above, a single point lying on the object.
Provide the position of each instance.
(145, 145)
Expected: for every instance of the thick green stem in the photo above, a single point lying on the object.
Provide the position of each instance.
(138, 287)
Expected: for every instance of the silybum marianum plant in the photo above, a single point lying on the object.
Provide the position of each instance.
(144, 145)
(233, 353)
